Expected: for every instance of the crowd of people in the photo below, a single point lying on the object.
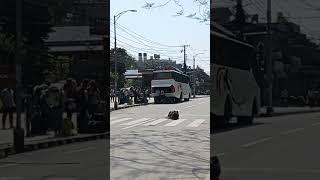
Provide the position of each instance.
(45, 104)
(132, 94)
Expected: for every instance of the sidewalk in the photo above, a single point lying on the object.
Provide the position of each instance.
(40, 141)
(278, 111)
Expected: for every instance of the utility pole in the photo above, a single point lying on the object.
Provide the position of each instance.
(115, 55)
(184, 59)
(269, 62)
(115, 64)
(18, 133)
(194, 77)
(240, 17)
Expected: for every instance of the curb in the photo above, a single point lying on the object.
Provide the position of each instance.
(48, 143)
(288, 113)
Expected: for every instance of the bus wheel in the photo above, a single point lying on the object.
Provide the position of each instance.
(187, 99)
(219, 122)
(247, 120)
(156, 100)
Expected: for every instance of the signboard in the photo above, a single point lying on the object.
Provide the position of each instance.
(99, 26)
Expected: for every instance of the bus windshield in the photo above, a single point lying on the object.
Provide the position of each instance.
(232, 53)
(162, 75)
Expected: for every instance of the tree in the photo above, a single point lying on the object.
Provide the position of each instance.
(203, 79)
(35, 28)
(202, 14)
(124, 62)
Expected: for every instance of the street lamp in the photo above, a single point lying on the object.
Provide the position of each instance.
(194, 73)
(115, 18)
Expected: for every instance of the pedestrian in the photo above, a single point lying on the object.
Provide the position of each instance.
(112, 95)
(70, 90)
(82, 121)
(284, 97)
(7, 97)
(93, 97)
(55, 100)
(28, 110)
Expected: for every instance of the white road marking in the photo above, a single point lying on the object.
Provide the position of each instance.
(113, 117)
(158, 121)
(273, 170)
(292, 131)
(189, 107)
(196, 123)
(60, 178)
(79, 150)
(120, 120)
(135, 121)
(220, 154)
(8, 165)
(315, 124)
(175, 122)
(256, 142)
(137, 124)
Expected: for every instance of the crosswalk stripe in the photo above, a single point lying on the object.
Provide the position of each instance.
(196, 123)
(120, 120)
(158, 121)
(138, 124)
(175, 122)
(135, 121)
(113, 117)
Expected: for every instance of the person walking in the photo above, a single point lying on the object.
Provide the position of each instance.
(55, 100)
(112, 95)
(7, 97)
(70, 90)
(94, 97)
(82, 121)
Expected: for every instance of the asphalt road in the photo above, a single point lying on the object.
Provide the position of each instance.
(79, 161)
(147, 146)
(276, 148)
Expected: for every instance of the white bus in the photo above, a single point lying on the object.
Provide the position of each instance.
(235, 92)
(170, 85)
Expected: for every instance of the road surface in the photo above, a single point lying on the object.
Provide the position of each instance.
(277, 148)
(147, 146)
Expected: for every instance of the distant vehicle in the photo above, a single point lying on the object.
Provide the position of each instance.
(170, 85)
(235, 92)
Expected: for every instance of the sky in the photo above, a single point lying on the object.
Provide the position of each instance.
(306, 13)
(155, 31)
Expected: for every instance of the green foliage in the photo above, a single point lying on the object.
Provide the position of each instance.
(124, 62)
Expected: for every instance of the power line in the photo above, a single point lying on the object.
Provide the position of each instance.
(150, 47)
(143, 50)
(146, 39)
(141, 40)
